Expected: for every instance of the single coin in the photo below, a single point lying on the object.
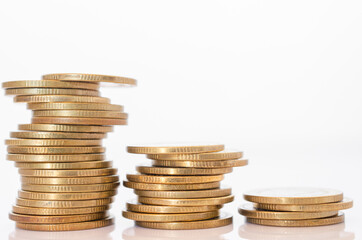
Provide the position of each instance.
(184, 194)
(69, 181)
(65, 196)
(55, 158)
(85, 77)
(66, 226)
(214, 156)
(50, 91)
(80, 114)
(249, 211)
(201, 164)
(79, 121)
(70, 188)
(49, 84)
(186, 202)
(298, 223)
(54, 150)
(182, 171)
(171, 187)
(75, 106)
(63, 204)
(173, 179)
(294, 195)
(223, 220)
(58, 211)
(68, 173)
(60, 98)
(175, 149)
(170, 217)
(57, 135)
(344, 204)
(134, 206)
(52, 142)
(65, 128)
(70, 165)
(57, 219)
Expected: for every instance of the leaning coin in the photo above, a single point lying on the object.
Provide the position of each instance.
(52, 142)
(170, 187)
(60, 98)
(249, 211)
(223, 220)
(175, 149)
(186, 202)
(70, 165)
(57, 135)
(63, 204)
(173, 179)
(200, 164)
(70, 188)
(66, 226)
(54, 150)
(55, 158)
(75, 106)
(58, 211)
(49, 84)
(65, 196)
(65, 128)
(79, 121)
(182, 171)
(69, 180)
(214, 156)
(50, 91)
(185, 194)
(170, 217)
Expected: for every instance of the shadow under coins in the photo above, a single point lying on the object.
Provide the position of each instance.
(139, 233)
(331, 232)
(91, 234)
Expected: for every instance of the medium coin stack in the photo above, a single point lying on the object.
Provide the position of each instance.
(295, 207)
(181, 190)
(66, 182)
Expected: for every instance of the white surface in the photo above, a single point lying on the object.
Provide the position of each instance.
(280, 80)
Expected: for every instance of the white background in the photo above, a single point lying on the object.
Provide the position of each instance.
(279, 80)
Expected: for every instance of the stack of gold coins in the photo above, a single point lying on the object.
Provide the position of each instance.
(181, 190)
(66, 182)
(295, 207)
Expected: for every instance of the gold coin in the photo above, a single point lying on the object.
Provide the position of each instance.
(66, 226)
(54, 158)
(90, 78)
(79, 121)
(70, 188)
(249, 211)
(80, 114)
(171, 187)
(170, 217)
(57, 219)
(54, 150)
(184, 194)
(173, 179)
(70, 165)
(52, 142)
(293, 195)
(176, 149)
(186, 201)
(64, 203)
(69, 181)
(65, 196)
(50, 91)
(182, 171)
(58, 211)
(49, 84)
(57, 135)
(344, 204)
(200, 164)
(60, 98)
(65, 128)
(223, 220)
(134, 206)
(298, 223)
(75, 106)
(215, 156)
(68, 173)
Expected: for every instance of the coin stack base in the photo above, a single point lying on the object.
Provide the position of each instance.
(66, 182)
(295, 207)
(181, 189)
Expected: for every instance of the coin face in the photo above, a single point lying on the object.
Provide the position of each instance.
(214, 156)
(294, 195)
(298, 223)
(222, 220)
(249, 211)
(169, 217)
(174, 148)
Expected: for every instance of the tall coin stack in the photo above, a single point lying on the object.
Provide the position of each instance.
(66, 182)
(181, 190)
(295, 207)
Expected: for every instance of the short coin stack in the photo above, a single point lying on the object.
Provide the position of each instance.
(66, 182)
(181, 190)
(295, 207)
